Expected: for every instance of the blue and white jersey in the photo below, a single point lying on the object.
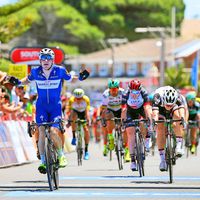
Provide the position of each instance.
(49, 89)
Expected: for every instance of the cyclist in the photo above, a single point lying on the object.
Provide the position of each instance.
(48, 78)
(110, 108)
(79, 106)
(194, 114)
(168, 103)
(137, 106)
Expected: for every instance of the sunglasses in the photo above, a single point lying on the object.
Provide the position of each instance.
(46, 57)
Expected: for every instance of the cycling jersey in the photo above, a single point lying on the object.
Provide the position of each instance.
(194, 110)
(111, 102)
(49, 90)
(81, 105)
(135, 99)
(48, 105)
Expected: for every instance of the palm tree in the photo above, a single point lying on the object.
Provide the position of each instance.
(176, 77)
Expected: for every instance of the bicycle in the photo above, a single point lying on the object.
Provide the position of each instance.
(139, 144)
(79, 134)
(50, 152)
(191, 124)
(119, 149)
(170, 146)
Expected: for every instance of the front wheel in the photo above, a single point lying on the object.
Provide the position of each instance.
(49, 166)
(169, 158)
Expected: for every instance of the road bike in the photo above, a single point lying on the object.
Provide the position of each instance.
(139, 143)
(79, 135)
(170, 145)
(50, 152)
(188, 145)
(118, 140)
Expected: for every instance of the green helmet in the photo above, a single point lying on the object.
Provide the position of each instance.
(113, 83)
(191, 96)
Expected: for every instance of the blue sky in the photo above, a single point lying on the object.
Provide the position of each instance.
(192, 7)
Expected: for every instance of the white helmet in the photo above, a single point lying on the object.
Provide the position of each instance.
(170, 95)
(78, 93)
(46, 51)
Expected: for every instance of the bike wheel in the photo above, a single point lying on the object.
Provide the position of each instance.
(79, 150)
(49, 166)
(138, 154)
(118, 150)
(169, 158)
(55, 169)
(142, 150)
(187, 142)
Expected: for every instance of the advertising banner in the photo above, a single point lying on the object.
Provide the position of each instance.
(30, 55)
(19, 71)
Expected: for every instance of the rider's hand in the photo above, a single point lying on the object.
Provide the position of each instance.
(183, 123)
(83, 74)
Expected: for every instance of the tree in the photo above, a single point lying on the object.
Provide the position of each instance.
(176, 77)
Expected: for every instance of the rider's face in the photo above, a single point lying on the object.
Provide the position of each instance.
(168, 107)
(46, 64)
(190, 103)
(114, 91)
(46, 61)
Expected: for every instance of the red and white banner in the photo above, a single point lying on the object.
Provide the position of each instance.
(30, 55)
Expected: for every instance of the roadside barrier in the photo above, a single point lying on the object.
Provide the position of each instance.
(16, 147)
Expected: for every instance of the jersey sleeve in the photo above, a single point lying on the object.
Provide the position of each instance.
(125, 96)
(87, 100)
(157, 101)
(145, 95)
(104, 99)
(31, 76)
(70, 103)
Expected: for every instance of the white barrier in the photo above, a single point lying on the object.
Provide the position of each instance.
(17, 147)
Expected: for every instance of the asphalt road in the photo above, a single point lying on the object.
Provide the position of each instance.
(99, 178)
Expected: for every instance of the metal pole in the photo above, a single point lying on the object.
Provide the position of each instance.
(113, 60)
(162, 59)
(173, 31)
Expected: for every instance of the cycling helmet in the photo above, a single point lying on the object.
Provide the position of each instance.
(170, 95)
(46, 51)
(78, 93)
(134, 85)
(191, 96)
(113, 83)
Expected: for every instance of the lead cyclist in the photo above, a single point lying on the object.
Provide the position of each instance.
(48, 78)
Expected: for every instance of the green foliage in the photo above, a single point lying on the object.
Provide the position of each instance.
(83, 23)
(176, 77)
(4, 65)
(68, 49)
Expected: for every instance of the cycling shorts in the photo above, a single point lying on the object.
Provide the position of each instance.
(117, 113)
(48, 113)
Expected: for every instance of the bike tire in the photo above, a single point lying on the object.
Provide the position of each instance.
(187, 142)
(169, 158)
(138, 154)
(118, 151)
(49, 166)
(79, 149)
(55, 169)
(142, 150)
